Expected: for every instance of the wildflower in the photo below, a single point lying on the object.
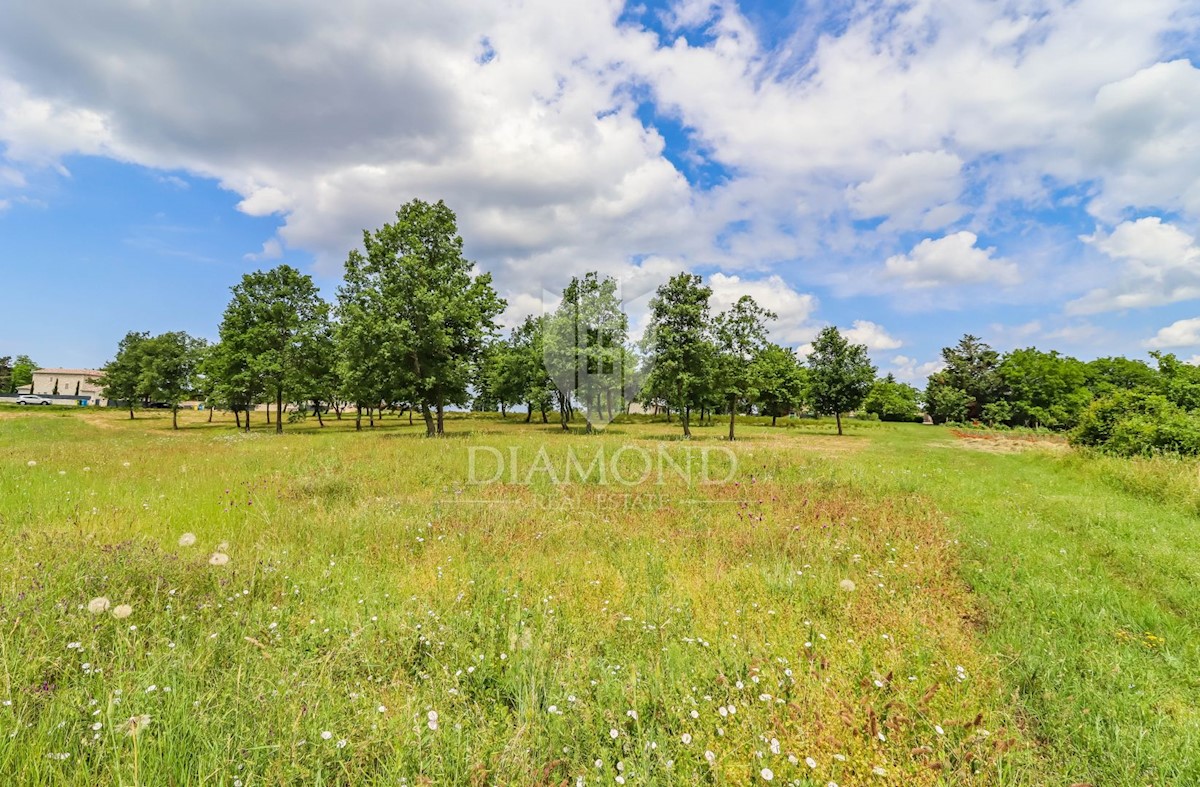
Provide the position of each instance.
(847, 585)
(878, 771)
(686, 738)
(708, 755)
(98, 605)
(122, 611)
(810, 762)
(938, 729)
(382, 709)
(767, 774)
(433, 719)
(98, 726)
(341, 744)
(135, 725)
(218, 559)
(31, 463)
(326, 735)
(613, 733)
(187, 539)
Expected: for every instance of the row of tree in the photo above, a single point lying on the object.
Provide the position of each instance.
(413, 328)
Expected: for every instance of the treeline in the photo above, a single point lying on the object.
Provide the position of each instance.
(414, 329)
(1116, 404)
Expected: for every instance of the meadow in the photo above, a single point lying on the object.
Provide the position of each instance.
(901, 605)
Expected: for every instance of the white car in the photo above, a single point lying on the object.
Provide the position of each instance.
(32, 399)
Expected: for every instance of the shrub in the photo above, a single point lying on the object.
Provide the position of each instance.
(1133, 423)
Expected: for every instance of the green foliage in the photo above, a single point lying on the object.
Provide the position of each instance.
(1041, 389)
(22, 372)
(6, 385)
(971, 367)
(417, 317)
(1133, 423)
(840, 374)
(778, 380)
(169, 365)
(679, 346)
(891, 400)
(122, 376)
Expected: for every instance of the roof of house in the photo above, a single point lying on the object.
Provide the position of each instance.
(84, 372)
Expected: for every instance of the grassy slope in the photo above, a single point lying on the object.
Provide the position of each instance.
(1087, 573)
(392, 583)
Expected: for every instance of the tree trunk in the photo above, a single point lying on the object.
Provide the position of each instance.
(773, 420)
(337, 409)
(503, 414)
(685, 415)
(732, 413)
(410, 416)
(839, 422)
(279, 410)
(247, 419)
(358, 417)
(210, 415)
(430, 427)
(441, 426)
(371, 416)
(528, 412)
(130, 409)
(237, 417)
(317, 409)
(545, 420)
(175, 417)
(268, 413)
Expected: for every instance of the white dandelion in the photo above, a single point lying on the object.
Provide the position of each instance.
(767, 774)
(686, 738)
(187, 539)
(218, 559)
(847, 585)
(326, 735)
(135, 724)
(122, 611)
(98, 605)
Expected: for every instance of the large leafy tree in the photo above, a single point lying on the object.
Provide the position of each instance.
(527, 346)
(584, 346)
(892, 400)
(22, 372)
(778, 379)
(122, 376)
(1042, 388)
(6, 385)
(271, 326)
(971, 367)
(840, 374)
(740, 334)
(169, 367)
(678, 344)
(414, 290)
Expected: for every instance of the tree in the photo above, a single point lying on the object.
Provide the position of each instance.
(971, 368)
(893, 401)
(840, 374)
(416, 291)
(6, 384)
(169, 366)
(1040, 389)
(740, 335)
(945, 402)
(528, 348)
(22, 372)
(584, 346)
(778, 380)
(678, 343)
(1105, 375)
(122, 376)
(270, 327)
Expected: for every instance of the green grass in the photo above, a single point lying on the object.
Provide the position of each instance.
(1003, 598)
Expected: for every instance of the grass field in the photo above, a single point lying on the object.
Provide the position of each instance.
(902, 605)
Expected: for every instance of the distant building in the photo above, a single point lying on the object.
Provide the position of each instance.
(70, 383)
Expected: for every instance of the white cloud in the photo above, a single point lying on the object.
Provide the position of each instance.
(909, 370)
(873, 335)
(1181, 333)
(913, 190)
(793, 309)
(1160, 264)
(271, 250)
(953, 259)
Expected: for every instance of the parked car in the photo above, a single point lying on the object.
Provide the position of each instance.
(32, 399)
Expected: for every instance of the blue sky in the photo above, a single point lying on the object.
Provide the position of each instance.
(907, 171)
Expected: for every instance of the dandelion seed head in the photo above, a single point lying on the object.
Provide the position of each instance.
(187, 539)
(122, 611)
(847, 585)
(98, 605)
(218, 559)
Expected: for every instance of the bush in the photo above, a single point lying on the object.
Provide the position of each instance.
(1138, 423)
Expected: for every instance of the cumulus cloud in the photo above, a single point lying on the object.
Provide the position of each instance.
(1159, 264)
(793, 309)
(950, 260)
(873, 335)
(271, 250)
(910, 370)
(530, 120)
(913, 190)
(1181, 333)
